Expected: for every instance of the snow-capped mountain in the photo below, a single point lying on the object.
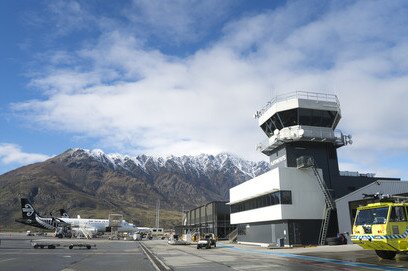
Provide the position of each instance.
(202, 163)
(92, 182)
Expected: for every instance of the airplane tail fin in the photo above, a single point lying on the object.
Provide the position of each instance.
(27, 209)
(63, 213)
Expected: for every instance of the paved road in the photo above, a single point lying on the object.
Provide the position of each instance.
(17, 254)
(238, 257)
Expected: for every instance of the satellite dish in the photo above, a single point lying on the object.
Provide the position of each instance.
(276, 132)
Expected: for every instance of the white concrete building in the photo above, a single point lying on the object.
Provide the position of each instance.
(290, 192)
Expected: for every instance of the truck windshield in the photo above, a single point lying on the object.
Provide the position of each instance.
(372, 216)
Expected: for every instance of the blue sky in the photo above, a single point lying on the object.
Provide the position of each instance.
(185, 77)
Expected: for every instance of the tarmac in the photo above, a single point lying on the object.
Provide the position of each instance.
(17, 253)
(228, 256)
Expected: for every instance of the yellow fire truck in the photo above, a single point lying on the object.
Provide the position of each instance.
(382, 226)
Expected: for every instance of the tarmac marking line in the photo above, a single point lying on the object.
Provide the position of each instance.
(156, 262)
(318, 259)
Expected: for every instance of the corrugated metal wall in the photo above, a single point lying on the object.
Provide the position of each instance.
(384, 187)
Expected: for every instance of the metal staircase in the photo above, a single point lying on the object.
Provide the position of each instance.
(87, 234)
(232, 236)
(115, 221)
(308, 162)
(328, 208)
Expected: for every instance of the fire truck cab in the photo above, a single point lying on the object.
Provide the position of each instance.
(382, 226)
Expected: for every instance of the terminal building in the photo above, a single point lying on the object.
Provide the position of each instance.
(293, 203)
(213, 217)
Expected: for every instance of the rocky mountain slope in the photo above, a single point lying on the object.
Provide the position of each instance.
(92, 183)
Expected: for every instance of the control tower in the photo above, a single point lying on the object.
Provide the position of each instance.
(293, 202)
(302, 124)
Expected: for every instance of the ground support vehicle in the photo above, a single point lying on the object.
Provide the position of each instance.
(52, 244)
(176, 240)
(44, 244)
(63, 230)
(87, 245)
(208, 241)
(382, 226)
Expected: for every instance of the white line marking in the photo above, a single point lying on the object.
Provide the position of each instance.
(150, 259)
(156, 257)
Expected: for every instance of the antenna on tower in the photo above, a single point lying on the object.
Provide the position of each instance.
(158, 213)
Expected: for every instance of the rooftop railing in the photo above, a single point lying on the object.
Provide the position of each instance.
(313, 96)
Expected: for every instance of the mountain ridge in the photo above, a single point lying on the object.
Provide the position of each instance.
(92, 183)
(200, 160)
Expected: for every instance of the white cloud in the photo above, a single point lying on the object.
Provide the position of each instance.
(177, 21)
(12, 154)
(68, 16)
(132, 97)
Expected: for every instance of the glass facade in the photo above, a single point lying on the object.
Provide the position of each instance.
(278, 197)
(299, 116)
(213, 217)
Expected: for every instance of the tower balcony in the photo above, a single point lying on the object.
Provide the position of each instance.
(305, 134)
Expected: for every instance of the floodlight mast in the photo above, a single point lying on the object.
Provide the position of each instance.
(157, 224)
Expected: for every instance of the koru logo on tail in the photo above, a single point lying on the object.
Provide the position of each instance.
(28, 209)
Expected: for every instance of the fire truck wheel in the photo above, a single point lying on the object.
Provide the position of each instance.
(386, 254)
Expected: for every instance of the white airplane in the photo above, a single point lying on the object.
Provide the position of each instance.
(95, 225)
(86, 226)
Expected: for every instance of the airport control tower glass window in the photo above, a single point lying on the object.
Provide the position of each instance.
(289, 117)
(319, 118)
(328, 118)
(298, 116)
(271, 125)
